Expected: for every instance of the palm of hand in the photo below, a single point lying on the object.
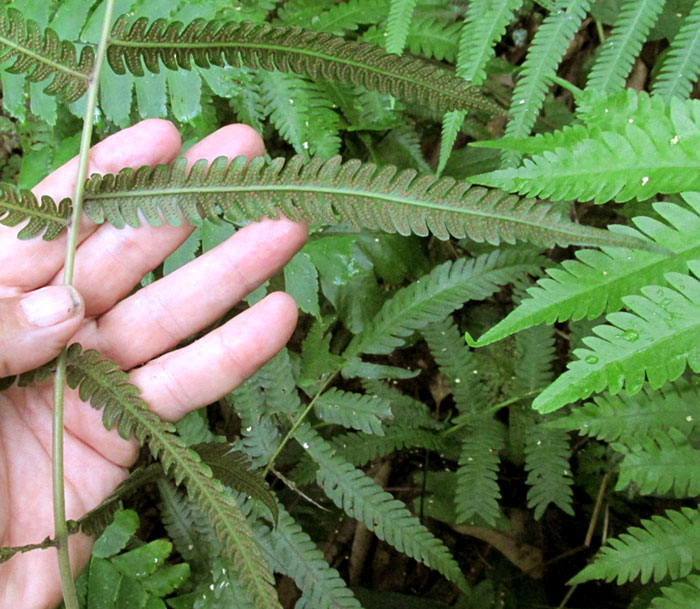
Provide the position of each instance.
(130, 331)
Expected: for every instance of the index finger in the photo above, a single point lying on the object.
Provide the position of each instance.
(30, 264)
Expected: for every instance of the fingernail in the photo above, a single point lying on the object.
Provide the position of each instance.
(50, 306)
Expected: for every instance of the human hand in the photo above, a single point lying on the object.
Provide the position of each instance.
(128, 330)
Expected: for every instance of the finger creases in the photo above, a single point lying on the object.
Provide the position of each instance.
(201, 373)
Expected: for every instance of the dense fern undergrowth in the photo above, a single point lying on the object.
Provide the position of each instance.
(491, 399)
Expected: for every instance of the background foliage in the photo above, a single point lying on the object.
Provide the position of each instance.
(379, 460)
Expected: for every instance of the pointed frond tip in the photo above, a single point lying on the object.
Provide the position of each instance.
(40, 54)
(364, 196)
(139, 43)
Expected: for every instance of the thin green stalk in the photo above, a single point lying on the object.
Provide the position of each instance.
(70, 598)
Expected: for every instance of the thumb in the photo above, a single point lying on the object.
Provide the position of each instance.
(34, 327)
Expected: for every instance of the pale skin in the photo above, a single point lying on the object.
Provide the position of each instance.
(140, 332)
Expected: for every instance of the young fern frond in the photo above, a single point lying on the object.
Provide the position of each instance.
(681, 66)
(684, 594)
(597, 281)
(398, 22)
(40, 54)
(666, 546)
(324, 193)
(638, 161)
(657, 339)
(446, 288)
(545, 54)
(613, 64)
(353, 410)
(663, 463)
(618, 417)
(549, 473)
(292, 552)
(289, 49)
(104, 386)
(477, 491)
(362, 498)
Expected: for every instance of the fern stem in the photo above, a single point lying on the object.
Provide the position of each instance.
(70, 598)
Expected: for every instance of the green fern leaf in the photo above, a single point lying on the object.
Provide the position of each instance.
(647, 158)
(400, 13)
(40, 54)
(484, 24)
(613, 64)
(681, 66)
(451, 124)
(457, 363)
(407, 410)
(100, 383)
(45, 218)
(446, 288)
(549, 473)
(477, 491)
(289, 49)
(361, 498)
(666, 546)
(597, 281)
(347, 16)
(324, 193)
(616, 417)
(354, 410)
(292, 552)
(658, 338)
(546, 51)
(663, 463)
(277, 381)
(683, 594)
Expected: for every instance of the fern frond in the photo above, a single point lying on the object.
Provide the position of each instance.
(354, 410)
(40, 54)
(630, 30)
(456, 362)
(45, 217)
(398, 22)
(292, 552)
(683, 594)
(446, 288)
(617, 417)
(663, 463)
(100, 383)
(545, 53)
(666, 546)
(361, 498)
(407, 410)
(289, 49)
(533, 365)
(656, 339)
(681, 66)
(477, 491)
(484, 24)
(549, 473)
(643, 160)
(451, 124)
(326, 192)
(277, 381)
(348, 16)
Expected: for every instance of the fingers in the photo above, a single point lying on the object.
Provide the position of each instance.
(112, 261)
(162, 314)
(30, 264)
(34, 327)
(202, 372)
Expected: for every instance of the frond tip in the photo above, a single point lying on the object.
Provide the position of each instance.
(45, 217)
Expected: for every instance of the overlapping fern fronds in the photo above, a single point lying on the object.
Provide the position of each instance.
(597, 281)
(100, 383)
(656, 339)
(634, 159)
